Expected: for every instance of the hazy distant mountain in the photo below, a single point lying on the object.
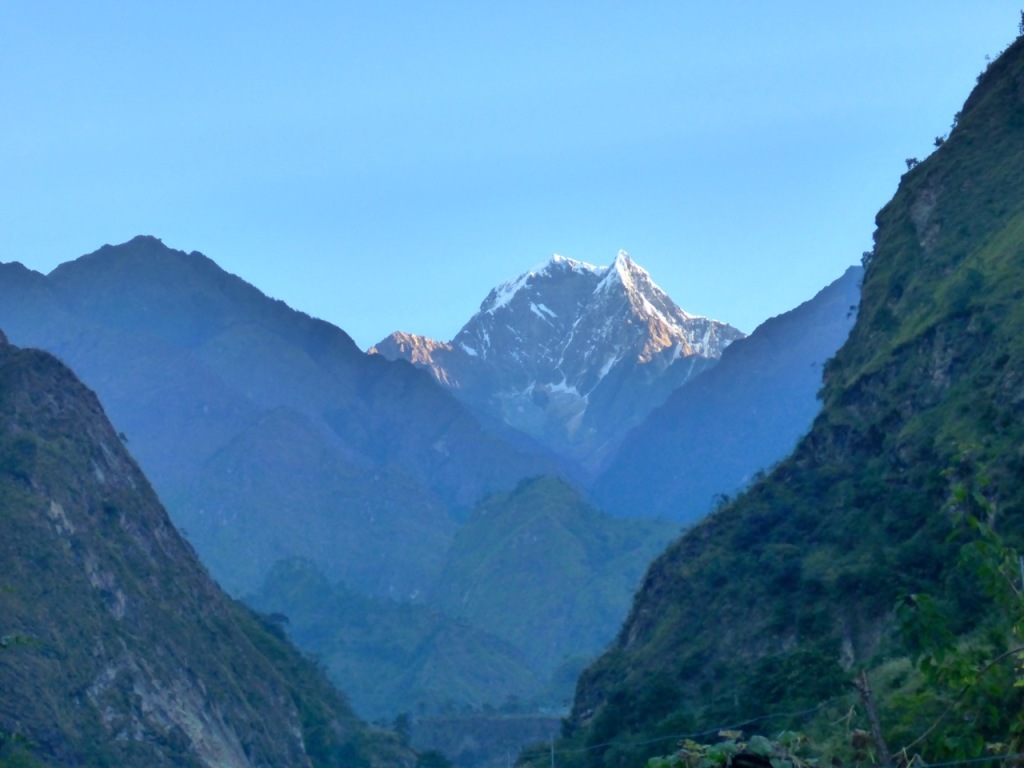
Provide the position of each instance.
(535, 582)
(571, 354)
(715, 432)
(394, 657)
(267, 433)
(545, 571)
(118, 649)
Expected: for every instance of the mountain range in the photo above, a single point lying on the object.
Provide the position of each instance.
(239, 407)
(274, 441)
(414, 525)
(653, 411)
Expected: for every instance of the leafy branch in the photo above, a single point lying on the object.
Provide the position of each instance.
(785, 751)
(964, 669)
(956, 700)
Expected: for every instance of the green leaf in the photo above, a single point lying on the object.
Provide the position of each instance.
(761, 746)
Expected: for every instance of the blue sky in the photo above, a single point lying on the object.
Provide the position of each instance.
(383, 164)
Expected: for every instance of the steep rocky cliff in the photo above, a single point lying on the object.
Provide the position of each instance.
(776, 602)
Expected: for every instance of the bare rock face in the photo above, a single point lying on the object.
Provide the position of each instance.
(571, 354)
(421, 351)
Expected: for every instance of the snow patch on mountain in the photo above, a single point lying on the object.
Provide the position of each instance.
(500, 296)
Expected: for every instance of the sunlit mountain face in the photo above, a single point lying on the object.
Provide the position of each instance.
(571, 354)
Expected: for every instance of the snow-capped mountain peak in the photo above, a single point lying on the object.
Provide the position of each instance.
(505, 292)
(542, 345)
(623, 272)
(567, 325)
(563, 262)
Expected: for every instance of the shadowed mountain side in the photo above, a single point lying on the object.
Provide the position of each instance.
(117, 648)
(278, 357)
(378, 531)
(207, 376)
(715, 432)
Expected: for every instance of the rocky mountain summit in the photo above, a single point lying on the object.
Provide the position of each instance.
(571, 354)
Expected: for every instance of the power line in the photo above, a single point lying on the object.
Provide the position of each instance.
(1017, 756)
(976, 760)
(742, 725)
(683, 736)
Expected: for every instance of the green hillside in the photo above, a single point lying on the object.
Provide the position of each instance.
(116, 648)
(778, 601)
(393, 657)
(547, 572)
(534, 585)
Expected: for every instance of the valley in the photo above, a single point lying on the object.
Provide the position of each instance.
(591, 529)
(436, 559)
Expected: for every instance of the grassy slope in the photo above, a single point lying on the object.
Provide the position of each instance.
(772, 603)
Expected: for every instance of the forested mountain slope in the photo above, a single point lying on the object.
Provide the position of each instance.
(776, 602)
(545, 571)
(117, 648)
(535, 584)
(392, 657)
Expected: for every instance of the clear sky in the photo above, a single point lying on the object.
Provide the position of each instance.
(383, 164)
